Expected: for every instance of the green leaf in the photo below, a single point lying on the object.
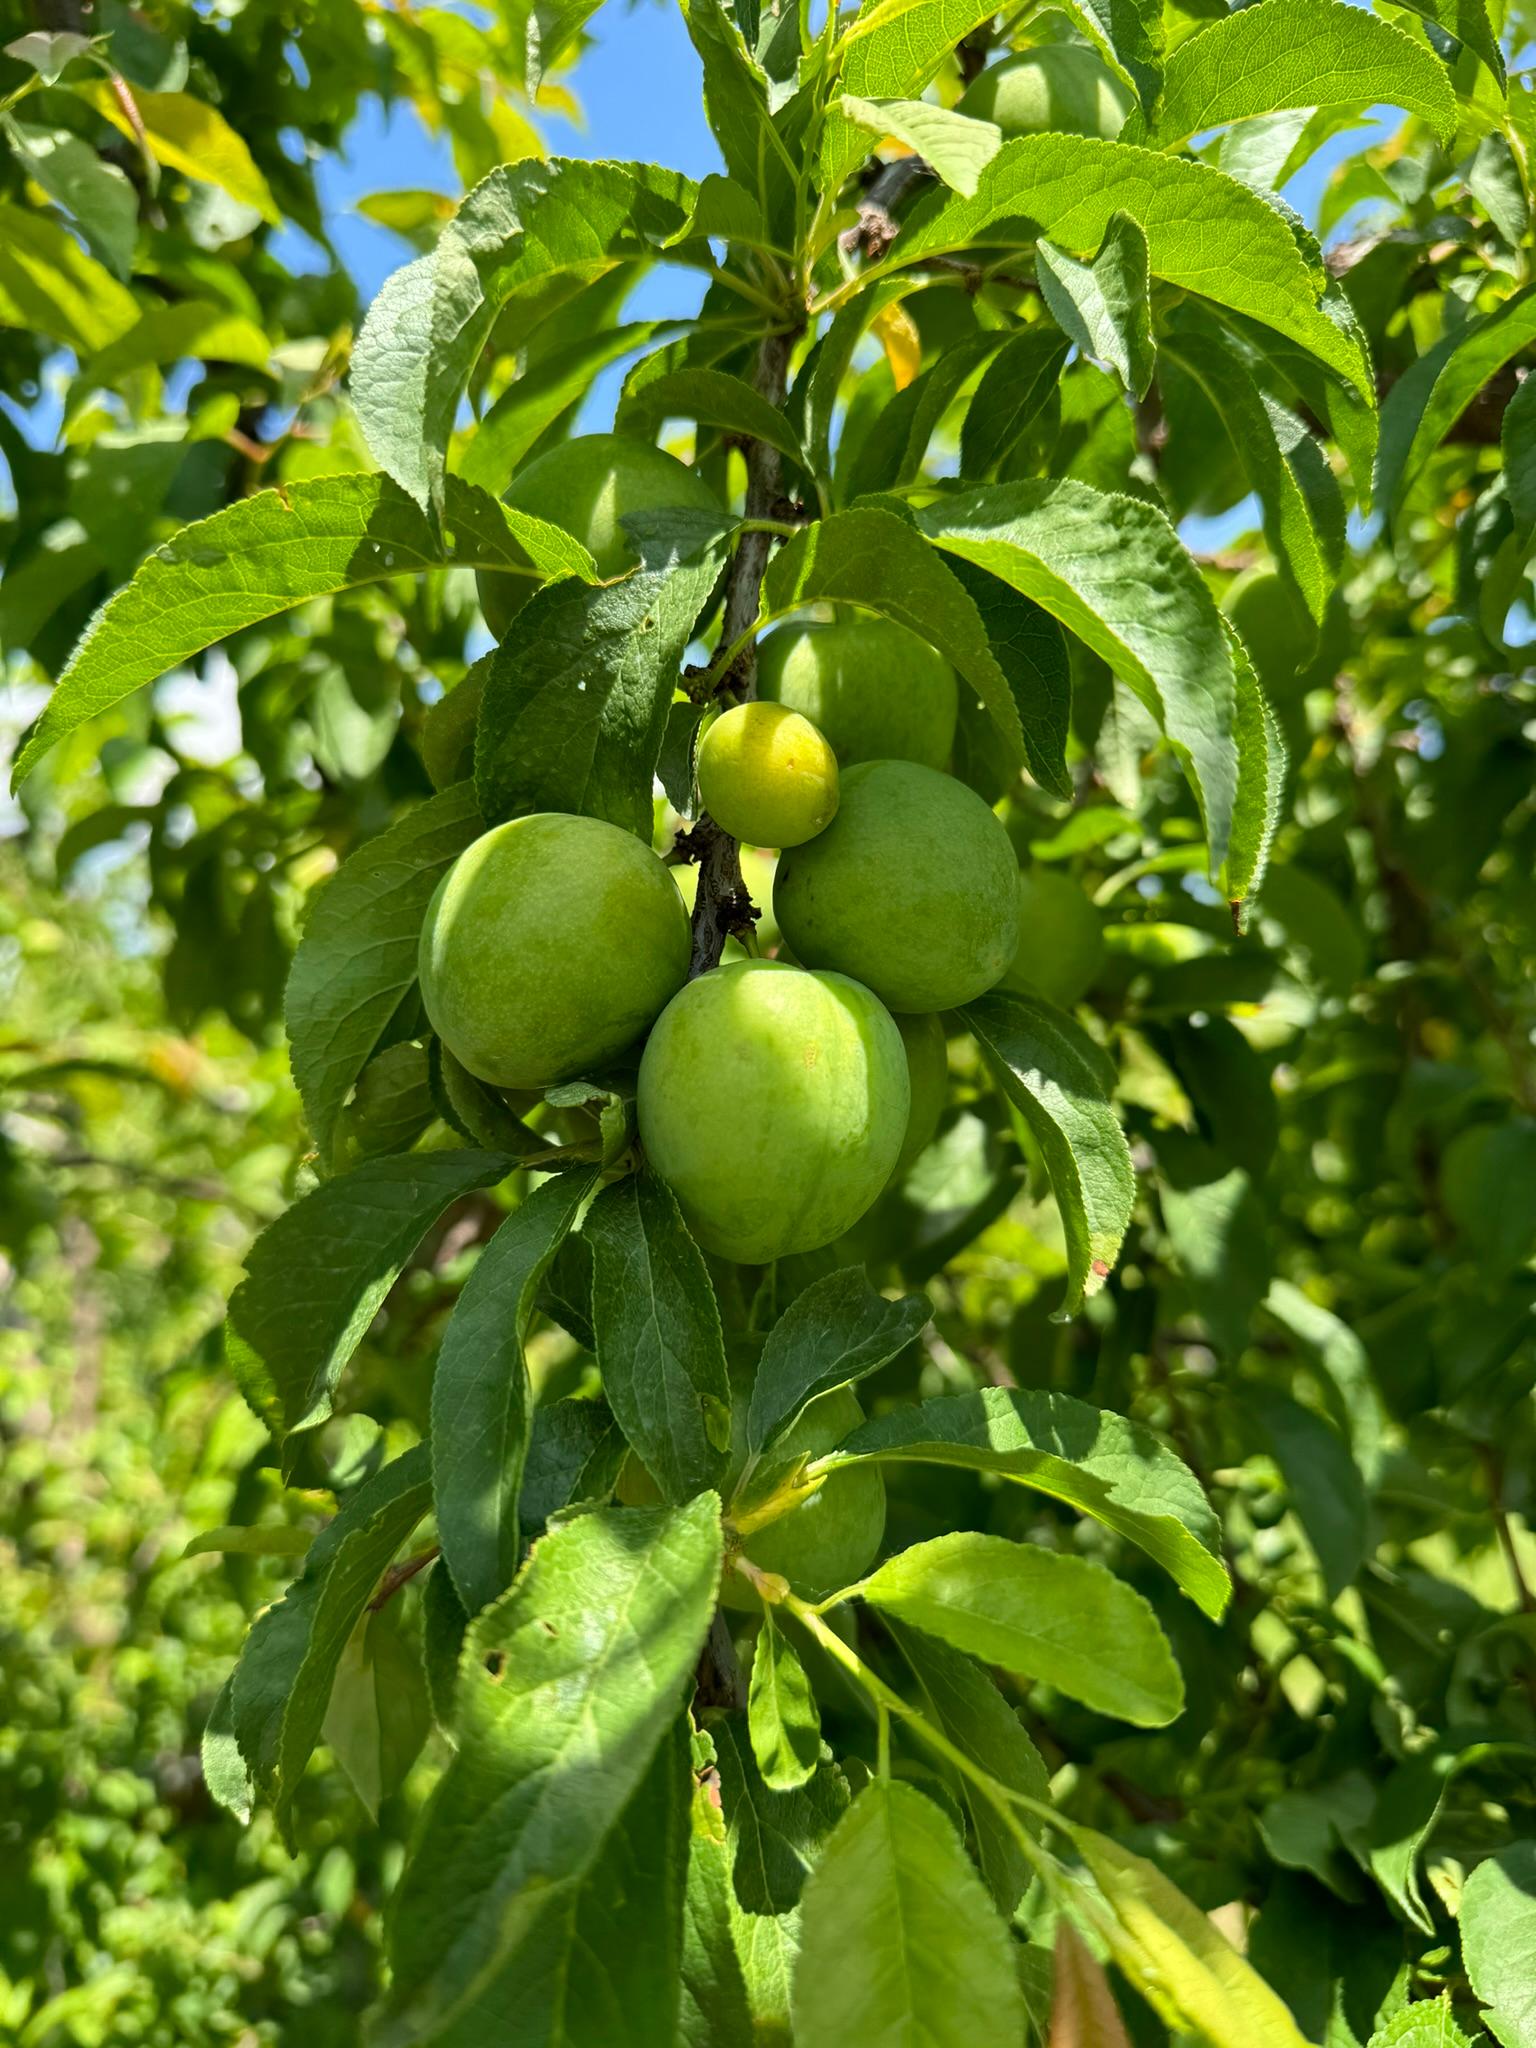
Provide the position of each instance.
(1187, 1972)
(377, 1718)
(1100, 1463)
(838, 1330)
(1431, 396)
(892, 452)
(1498, 1942)
(224, 1769)
(1205, 232)
(575, 1452)
(316, 1278)
(900, 1941)
(962, 1701)
(1014, 391)
(1323, 1482)
(576, 698)
(1427, 2022)
(1299, 495)
(875, 559)
(480, 1392)
(1262, 764)
(713, 397)
(1468, 22)
(1031, 650)
(1064, 1620)
(890, 53)
(956, 147)
(1103, 306)
(659, 1346)
(443, 1627)
(188, 329)
(531, 233)
(782, 1716)
(49, 286)
(1218, 1232)
(265, 554)
(1113, 571)
(283, 1681)
(775, 1838)
(246, 1539)
(568, 1687)
(184, 134)
(1297, 53)
(102, 200)
(356, 961)
(738, 102)
(714, 2009)
(1053, 1076)
(50, 52)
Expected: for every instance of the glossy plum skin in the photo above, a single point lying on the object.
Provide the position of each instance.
(767, 776)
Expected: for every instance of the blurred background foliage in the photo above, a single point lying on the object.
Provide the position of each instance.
(1326, 1300)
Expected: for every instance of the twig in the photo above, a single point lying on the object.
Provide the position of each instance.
(1493, 1469)
(399, 1575)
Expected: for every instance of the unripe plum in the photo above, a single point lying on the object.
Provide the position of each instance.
(766, 775)
(876, 691)
(912, 889)
(831, 1539)
(774, 1102)
(1061, 942)
(1064, 87)
(587, 486)
(549, 947)
(928, 1075)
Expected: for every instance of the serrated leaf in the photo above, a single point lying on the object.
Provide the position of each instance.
(1072, 549)
(875, 559)
(782, 1717)
(1468, 22)
(529, 229)
(560, 1723)
(890, 52)
(1430, 397)
(1031, 650)
(316, 1277)
(377, 1717)
(1261, 772)
(962, 1701)
(48, 285)
(1064, 1620)
(265, 554)
(282, 1683)
(1297, 53)
(1426, 2023)
(738, 101)
(225, 1772)
(714, 2010)
(1205, 232)
(1013, 392)
(1173, 1954)
(356, 959)
(480, 1393)
(102, 200)
(657, 1326)
(835, 1332)
(577, 695)
(892, 452)
(1498, 1941)
(184, 134)
(900, 1941)
(1098, 1462)
(575, 1453)
(774, 1838)
(956, 147)
(1103, 306)
(716, 399)
(1043, 1064)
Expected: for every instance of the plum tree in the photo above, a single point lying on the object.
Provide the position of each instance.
(875, 690)
(1062, 86)
(832, 1538)
(912, 889)
(774, 1102)
(767, 775)
(588, 486)
(548, 947)
(927, 1052)
(1061, 942)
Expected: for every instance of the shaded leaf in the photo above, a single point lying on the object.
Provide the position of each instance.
(1103, 306)
(833, 1333)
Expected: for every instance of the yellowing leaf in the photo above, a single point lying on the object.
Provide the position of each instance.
(188, 136)
(897, 333)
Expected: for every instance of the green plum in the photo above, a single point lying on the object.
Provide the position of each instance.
(1061, 86)
(766, 775)
(550, 945)
(927, 1053)
(832, 1538)
(1061, 941)
(875, 690)
(912, 889)
(587, 486)
(774, 1103)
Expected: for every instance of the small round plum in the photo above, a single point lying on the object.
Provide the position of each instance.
(550, 945)
(832, 1538)
(587, 486)
(876, 691)
(912, 889)
(1061, 942)
(1064, 87)
(774, 1103)
(766, 775)
(928, 1075)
